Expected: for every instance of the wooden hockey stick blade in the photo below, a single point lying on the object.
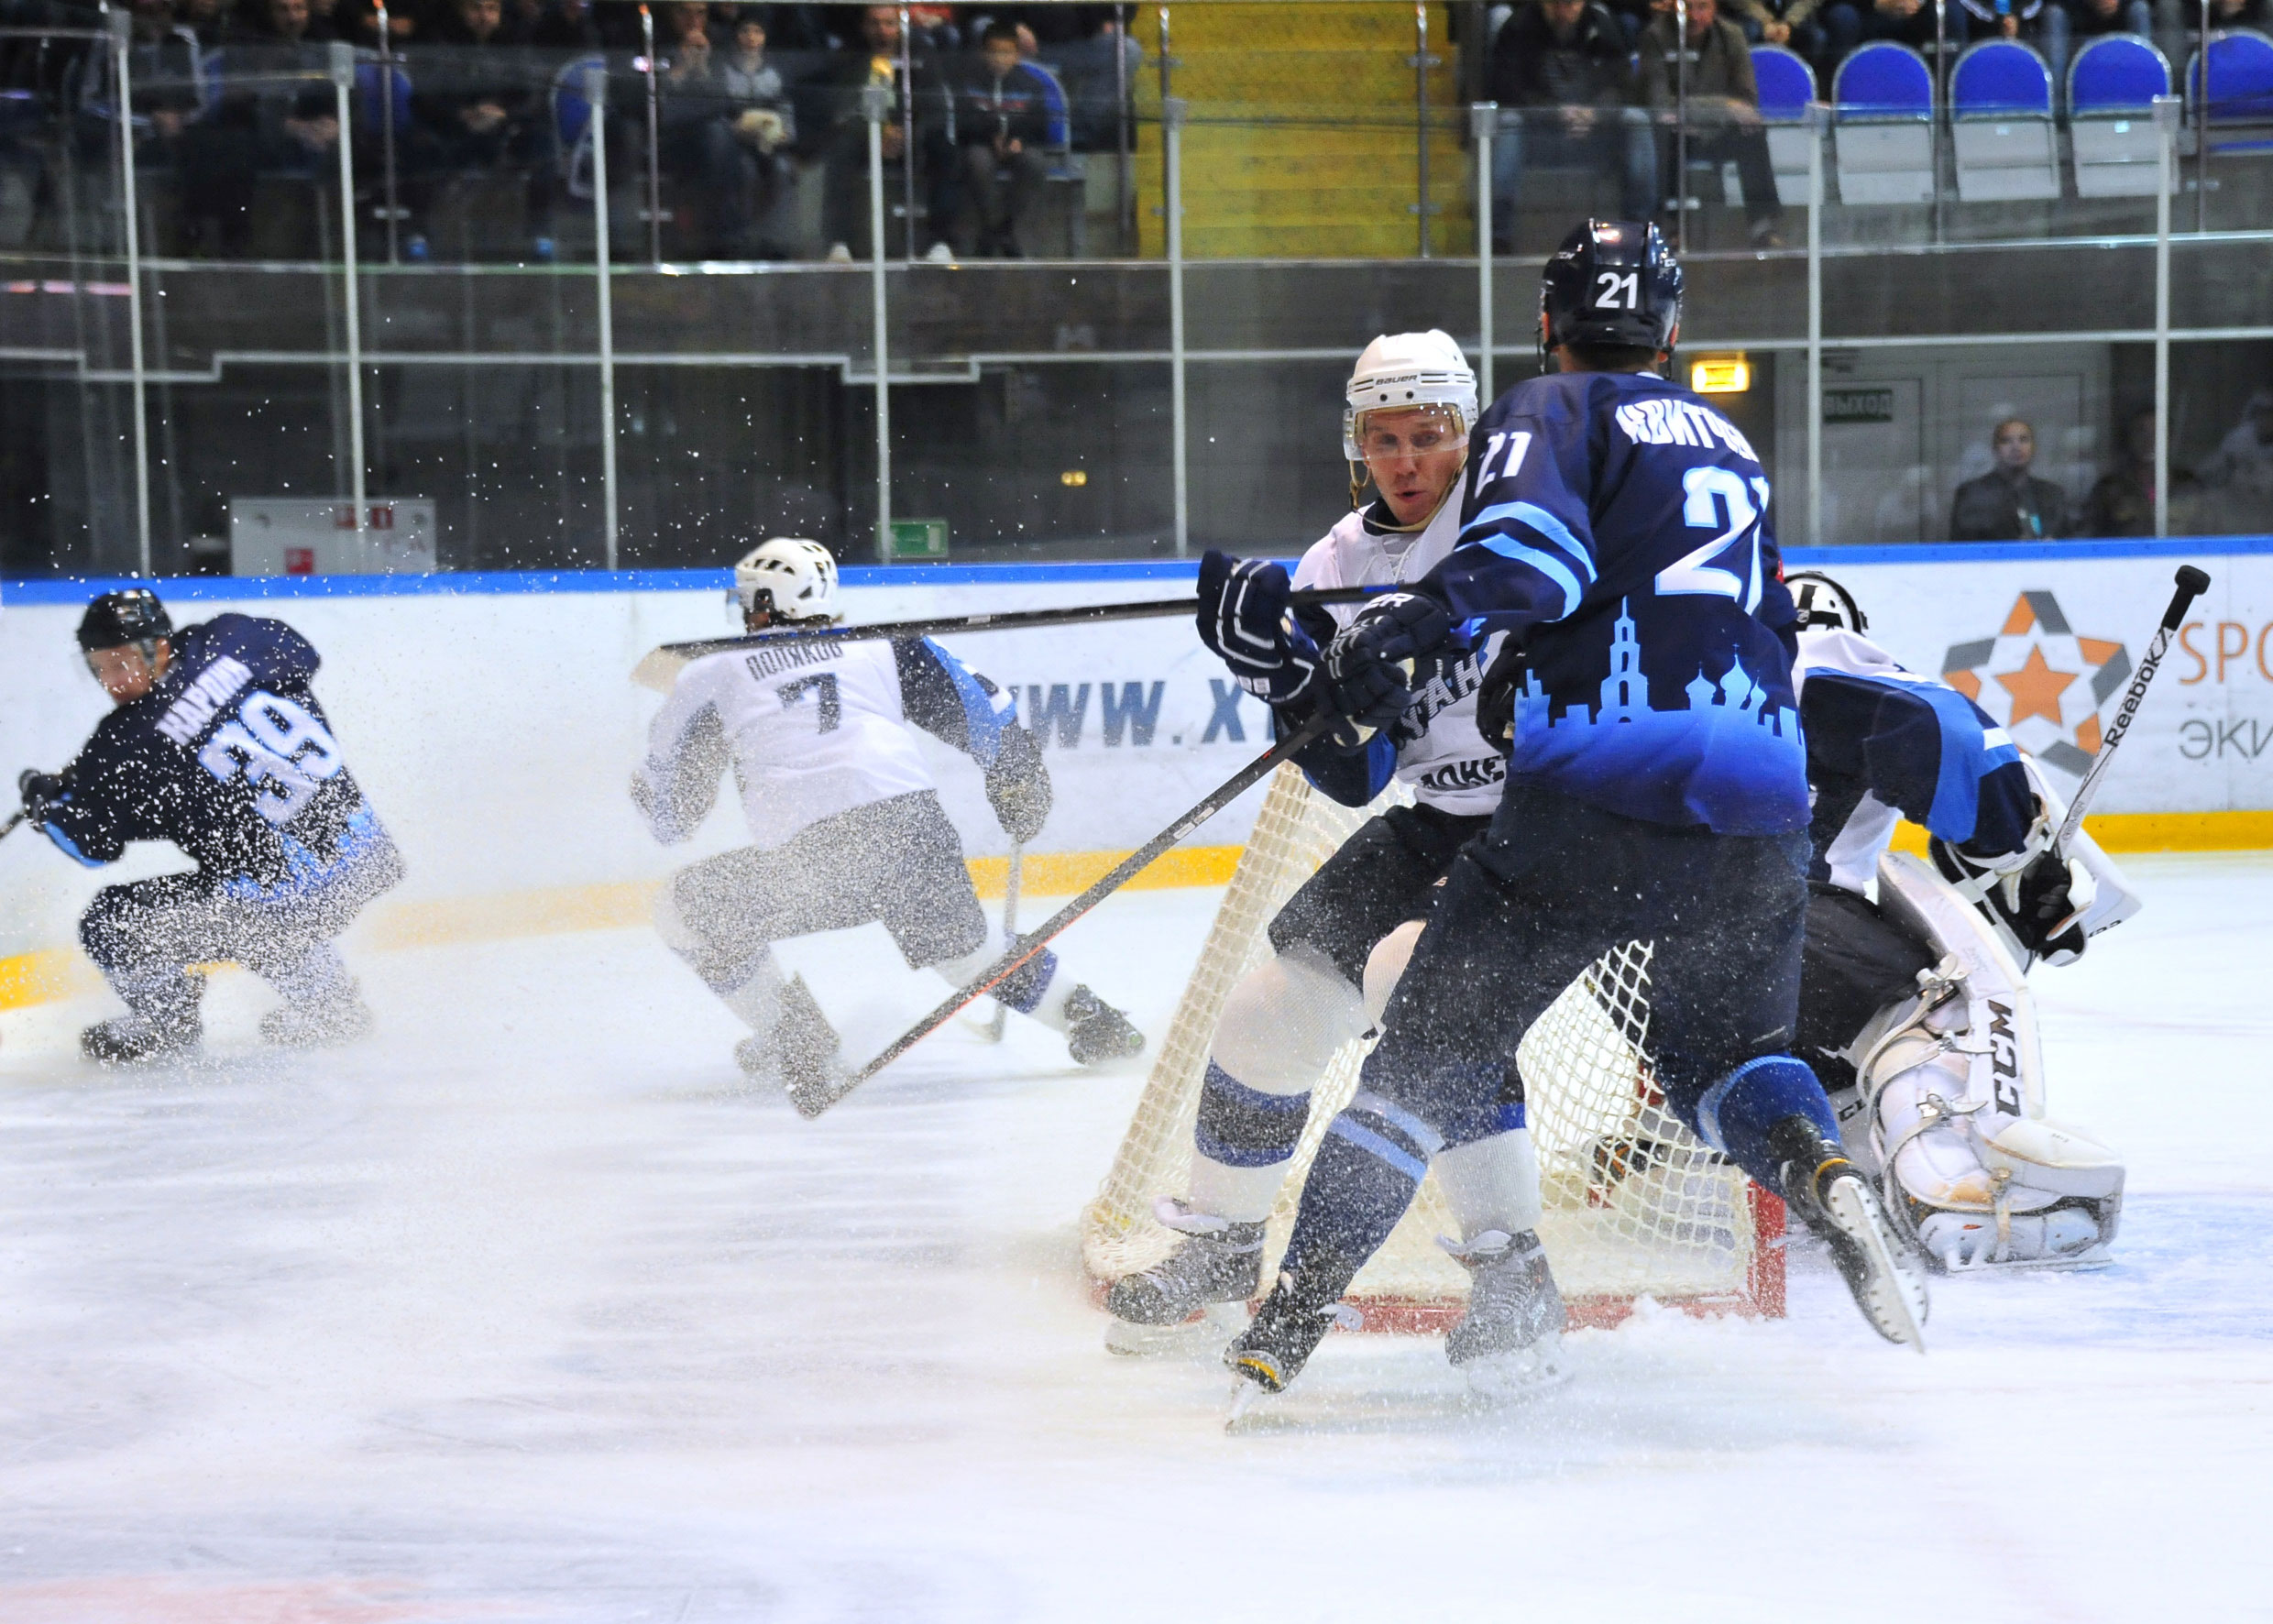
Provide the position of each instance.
(661, 667)
(1122, 871)
(2191, 584)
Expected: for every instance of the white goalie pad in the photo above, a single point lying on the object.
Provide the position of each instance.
(1953, 1127)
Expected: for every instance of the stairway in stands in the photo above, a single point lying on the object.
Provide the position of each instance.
(1304, 136)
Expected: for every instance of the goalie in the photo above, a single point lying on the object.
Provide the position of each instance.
(1914, 1009)
(1412, 400)
(845, 821)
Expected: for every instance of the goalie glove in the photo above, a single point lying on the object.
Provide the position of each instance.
(1370, 661)
(1243, 621)
(2035, 896)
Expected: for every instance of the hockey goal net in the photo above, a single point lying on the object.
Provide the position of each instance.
(1634, 1205)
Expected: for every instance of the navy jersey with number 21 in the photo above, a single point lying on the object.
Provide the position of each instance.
(1616, 527)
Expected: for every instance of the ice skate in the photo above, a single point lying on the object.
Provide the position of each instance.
(1510, 1342)
(131, 1039)
(801, 1051)
(1097, 1032)
(318, 1026)
(1886, 1277)
(1215, 1269)
(1294, 1319)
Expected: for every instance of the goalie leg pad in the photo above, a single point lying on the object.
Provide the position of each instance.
(1952, 1079)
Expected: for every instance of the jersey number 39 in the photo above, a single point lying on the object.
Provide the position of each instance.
(1729, 566)
(279, 748)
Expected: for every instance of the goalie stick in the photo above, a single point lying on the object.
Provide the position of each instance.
(812, 1102)
(2191, 583)
(661, 665)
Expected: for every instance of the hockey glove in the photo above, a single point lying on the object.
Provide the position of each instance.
(1243, 620)
(2039, 900)
(1495, 701)
(1017, 787)
(1370, 661)
(40, 792)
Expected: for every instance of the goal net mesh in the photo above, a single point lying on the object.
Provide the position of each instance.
(1634, 1205)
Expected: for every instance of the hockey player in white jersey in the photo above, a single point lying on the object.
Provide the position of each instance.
(845, 821)
(1412, 402)
(1913, 1009)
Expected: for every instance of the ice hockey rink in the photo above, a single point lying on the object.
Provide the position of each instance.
(519, 1311)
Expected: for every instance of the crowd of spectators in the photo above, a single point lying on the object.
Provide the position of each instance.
(989, 103)
(2228, 493)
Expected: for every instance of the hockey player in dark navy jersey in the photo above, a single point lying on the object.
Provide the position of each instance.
(1615, 528)
(217, 744)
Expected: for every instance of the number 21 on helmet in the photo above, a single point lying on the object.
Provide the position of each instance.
(1612, 283)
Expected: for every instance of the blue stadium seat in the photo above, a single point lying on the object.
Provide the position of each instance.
(2001, 103)
(572, 124)
(2241, 91)
(370, 113)
(2111, 87)
(1882, 114)
(1787, 84)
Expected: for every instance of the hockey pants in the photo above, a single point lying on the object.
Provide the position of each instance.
(146, 936)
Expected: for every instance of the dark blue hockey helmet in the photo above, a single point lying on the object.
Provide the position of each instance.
(117, 619)
(1612, 282)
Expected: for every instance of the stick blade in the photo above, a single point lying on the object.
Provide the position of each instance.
(659, 670)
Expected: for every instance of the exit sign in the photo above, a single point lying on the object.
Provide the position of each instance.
(916, 541)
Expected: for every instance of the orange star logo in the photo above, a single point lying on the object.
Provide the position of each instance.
(2035, 688)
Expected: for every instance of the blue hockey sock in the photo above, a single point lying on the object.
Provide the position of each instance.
(1023, 988)
(1370, 1164)
(1245, 1127)
(1735, 1114)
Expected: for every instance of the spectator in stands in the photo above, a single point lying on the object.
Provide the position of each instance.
(764, 122)
(2008, 503)
(1790, 23)
(1849, 23)
(696, 143)
(2088, 19)
(2240, 472)
(840, 131)
(1723, 108)
(566, 25)
(279, 24)
(2241, 14)
(1560, 73)
(1002, 124)
(2122, 502)
(208, 20)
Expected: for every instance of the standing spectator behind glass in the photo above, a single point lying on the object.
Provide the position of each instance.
(2122, 502)
(1569, 56)
(842, 131)
(2008, 503)
(2240, 472)
(1723, 108)
(764, 122)
(1001, 122)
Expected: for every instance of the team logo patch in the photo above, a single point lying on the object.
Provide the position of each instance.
(2042, 683)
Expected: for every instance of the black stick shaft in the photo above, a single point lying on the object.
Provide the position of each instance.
(1000, 620)
(9, 827)
(2191, 584)
(1034, 940)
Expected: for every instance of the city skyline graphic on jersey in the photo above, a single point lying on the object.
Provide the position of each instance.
(1625, 693)
(2041, 681)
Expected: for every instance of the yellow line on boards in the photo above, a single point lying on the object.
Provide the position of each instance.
(53, 973)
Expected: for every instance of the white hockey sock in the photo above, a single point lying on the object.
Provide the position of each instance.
(758, 1002)
(1490, 1184)
(1281, 1026)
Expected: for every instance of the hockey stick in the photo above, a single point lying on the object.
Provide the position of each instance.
(2191, 583)
(661, 665)
(812, 1103)
(9, 827)
(1011, 878)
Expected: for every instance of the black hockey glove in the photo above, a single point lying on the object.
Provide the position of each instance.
(40, 792)
(2040, 903)
(1243, 620)
(1495, 700)
(1370, 661)
(1017, 787)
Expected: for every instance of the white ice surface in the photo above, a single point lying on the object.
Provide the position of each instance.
(517, 1311)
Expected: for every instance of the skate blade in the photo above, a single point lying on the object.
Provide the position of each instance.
(1895, 1301)
(1252, 1405)
(2091, 1257)
(1524, 1374)
(1202, 1337)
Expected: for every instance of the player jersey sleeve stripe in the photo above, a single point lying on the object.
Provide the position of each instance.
(1929, 750)
(946, 699)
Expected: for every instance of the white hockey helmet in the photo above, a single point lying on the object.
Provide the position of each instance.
(1824, 605)
(798, 580)
(1399, 371)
